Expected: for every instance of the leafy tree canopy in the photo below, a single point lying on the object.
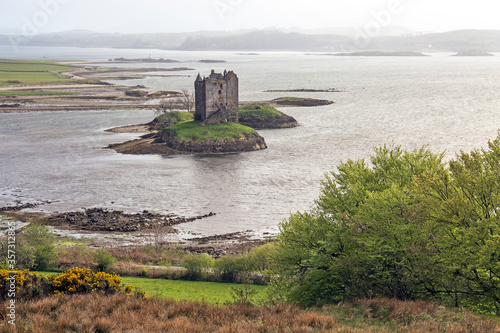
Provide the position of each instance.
(407, 225)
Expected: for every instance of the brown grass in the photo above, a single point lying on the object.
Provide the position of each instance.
(120, 313)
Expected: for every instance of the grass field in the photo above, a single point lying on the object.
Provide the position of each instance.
(34, 93)
(209, 292)
(30, 72)
(191, 131)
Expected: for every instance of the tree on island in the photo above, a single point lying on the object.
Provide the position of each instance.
(185, 102)
(167, 105)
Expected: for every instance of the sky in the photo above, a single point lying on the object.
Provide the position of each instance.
(142, 16)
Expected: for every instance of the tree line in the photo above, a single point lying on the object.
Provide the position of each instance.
(407, 225)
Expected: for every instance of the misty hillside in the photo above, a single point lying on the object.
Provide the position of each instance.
(265, 40)
(454, 41)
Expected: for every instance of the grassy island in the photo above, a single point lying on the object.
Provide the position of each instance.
(192, 131)
(263, 116)
(175, 116)
(258, 110)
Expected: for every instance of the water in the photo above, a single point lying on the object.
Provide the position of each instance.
(448, 103)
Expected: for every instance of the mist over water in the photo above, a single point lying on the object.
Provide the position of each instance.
(447, 103)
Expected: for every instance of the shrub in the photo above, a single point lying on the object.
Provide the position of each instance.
(259, 258)
(229, 267)
(42, 240)
(25, 254)
(197, 264)
(23, 284)
(31, 285)
(83, 280)
(104, 260)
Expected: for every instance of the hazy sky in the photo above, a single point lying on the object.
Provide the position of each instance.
(40, 16)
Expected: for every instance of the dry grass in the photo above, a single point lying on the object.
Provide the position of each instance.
(119, 313)
(414, 316)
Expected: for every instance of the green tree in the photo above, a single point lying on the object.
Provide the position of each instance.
(364, 238)
(464, 208)
(229, 267)
(104, 260)
(407, 226)
(24, 254)
(196, 265)
(42, 240)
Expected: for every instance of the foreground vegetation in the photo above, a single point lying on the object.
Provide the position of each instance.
(82, 300)
(408, 226)
(121, 313)
(387, 247)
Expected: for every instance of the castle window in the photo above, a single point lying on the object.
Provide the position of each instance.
(221, 86)
(220, 92)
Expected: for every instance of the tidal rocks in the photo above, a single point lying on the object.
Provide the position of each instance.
(98, 219)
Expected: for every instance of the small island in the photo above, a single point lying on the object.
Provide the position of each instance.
(473, 53)
(177, 133)
(300, 101)
(263, 116)
(213, 128)
(211, 61)
(305, 90)
(219, 123)
(380, 54)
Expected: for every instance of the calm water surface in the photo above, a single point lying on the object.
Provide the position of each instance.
(447, 103)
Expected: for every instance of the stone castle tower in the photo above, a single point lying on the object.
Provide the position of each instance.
(216, 98)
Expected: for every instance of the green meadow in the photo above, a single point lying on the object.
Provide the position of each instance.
(209, 292)
(32, 72)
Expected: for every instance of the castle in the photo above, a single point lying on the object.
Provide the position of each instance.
(216, 98)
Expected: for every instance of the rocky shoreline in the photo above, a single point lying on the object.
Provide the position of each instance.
(99, 219)
(112, 228)
(250, 143)
(274, 122)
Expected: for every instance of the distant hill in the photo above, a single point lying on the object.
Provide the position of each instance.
(265, 40)
(454, 41)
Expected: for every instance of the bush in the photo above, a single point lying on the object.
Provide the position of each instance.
(25, 254)
(260, 258)
(229, 267)
(83, 280)
(30, 285)
(42, 240)
(196, 265)
(104, 260)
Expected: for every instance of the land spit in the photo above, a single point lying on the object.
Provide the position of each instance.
(103, 228)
